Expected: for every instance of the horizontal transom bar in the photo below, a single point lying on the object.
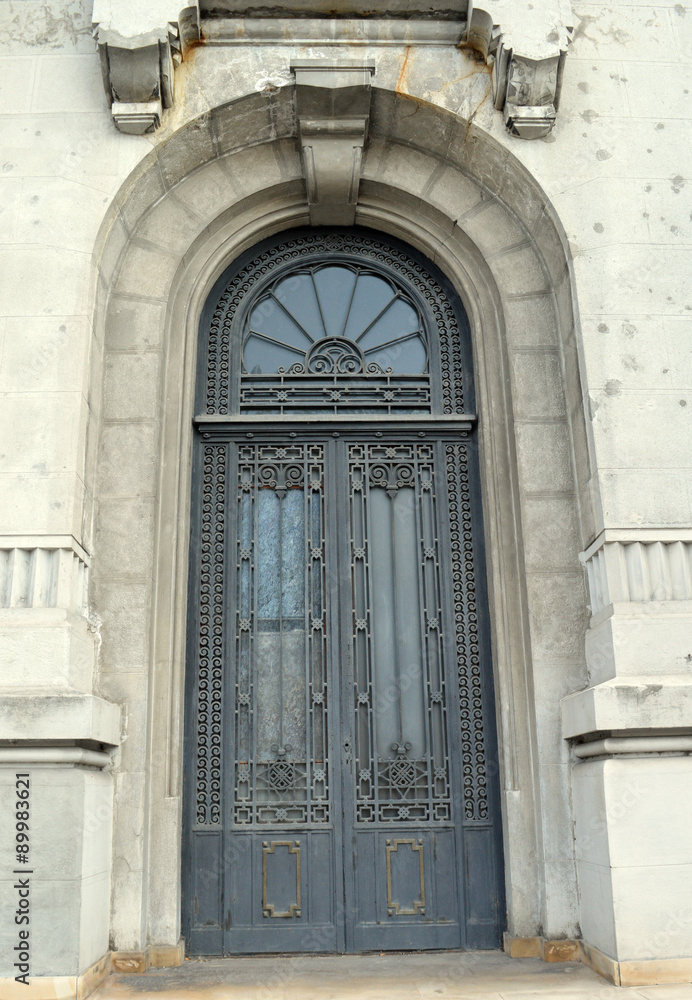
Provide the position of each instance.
(319, 424)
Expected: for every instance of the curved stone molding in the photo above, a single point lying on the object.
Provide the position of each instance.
(66, 756)
(43, 573)
(140, 46)
(640, 745)
(526, 45)
(644, 568)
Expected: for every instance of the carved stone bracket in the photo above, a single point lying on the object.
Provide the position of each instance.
(333, 109)
(526, 44)
(140, 45)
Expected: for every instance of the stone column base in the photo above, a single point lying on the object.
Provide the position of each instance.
(58, 987)
(564, 950)
(647, 972)
(156, 956)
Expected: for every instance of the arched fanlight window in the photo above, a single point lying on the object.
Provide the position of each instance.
(334, 319)
(338, 322)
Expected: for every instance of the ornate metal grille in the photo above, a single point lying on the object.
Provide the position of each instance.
(281, 769)
(333, 323)
(211, 629)
(467, 638)
(401, 757)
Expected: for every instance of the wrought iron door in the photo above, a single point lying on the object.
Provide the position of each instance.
(340, 715)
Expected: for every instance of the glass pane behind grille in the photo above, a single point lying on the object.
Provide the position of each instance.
(401, 756)
(281, 696)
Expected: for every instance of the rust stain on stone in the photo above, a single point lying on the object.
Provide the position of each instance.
(400, 83)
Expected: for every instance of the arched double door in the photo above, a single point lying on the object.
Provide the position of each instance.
(341, 778)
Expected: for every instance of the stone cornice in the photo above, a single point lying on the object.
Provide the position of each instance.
(140, 45)
(41, 716)
(629, 707)
(32, 755)
(526, 44)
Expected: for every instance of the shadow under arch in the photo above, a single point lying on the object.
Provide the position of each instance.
(217, 187)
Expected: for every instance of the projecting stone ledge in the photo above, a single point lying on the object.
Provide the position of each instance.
(630, 706)
(140, 44)
(526, 44)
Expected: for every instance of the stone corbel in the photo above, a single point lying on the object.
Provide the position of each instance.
(526, 45)
(333, 109)
(140, 46)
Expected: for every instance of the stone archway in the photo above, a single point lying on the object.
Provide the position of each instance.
(203, 197)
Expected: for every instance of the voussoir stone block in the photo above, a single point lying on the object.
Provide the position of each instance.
(146, 271)
(127, 461)
(170, 225)
(208, 192)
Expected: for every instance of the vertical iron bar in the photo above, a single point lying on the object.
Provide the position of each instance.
(395, 608)
(281, 619)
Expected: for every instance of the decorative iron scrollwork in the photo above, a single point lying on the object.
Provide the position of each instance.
(280, 477)
(391, 477)
(467, 639)
(210, 648)
(333, 356)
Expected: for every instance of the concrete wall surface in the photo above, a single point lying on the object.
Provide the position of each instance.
(572, 253)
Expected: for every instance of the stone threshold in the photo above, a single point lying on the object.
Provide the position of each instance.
(647, 972)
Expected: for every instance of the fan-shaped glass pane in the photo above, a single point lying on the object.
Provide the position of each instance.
(298, 297)
(407, 357)
(270, 319)
(335, 290)
(373, 294)
(306, 314)
(262, 357)
(398, 320)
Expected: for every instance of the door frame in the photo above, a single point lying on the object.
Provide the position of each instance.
(222, 429)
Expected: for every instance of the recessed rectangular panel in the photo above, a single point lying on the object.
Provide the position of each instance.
(321, 902)
(281, 879)
(484, 901)
(406, 891)
(206, 930)
(405, 878)
(284, 891)
(208, 879)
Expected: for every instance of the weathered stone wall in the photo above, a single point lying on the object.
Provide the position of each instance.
(98, 229)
